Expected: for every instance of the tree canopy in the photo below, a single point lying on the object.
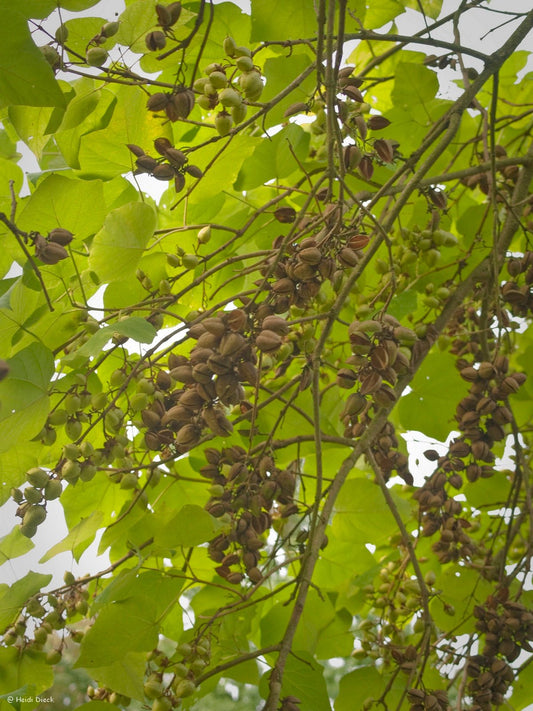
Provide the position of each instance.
(257, 252)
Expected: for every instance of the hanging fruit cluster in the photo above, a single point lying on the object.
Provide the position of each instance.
(243, 490)
(51, 249)
(172, 166)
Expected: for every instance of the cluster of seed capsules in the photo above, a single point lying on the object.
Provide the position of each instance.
(46, 614)
(297, 270)
(244, 490)
(381, 351)
(232, 85)
(507, 629)
(518, 293)
(172, 166)
(428, 700)
(481, 416)
(222, 359)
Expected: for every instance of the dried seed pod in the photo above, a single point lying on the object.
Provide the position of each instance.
(50, 252)
(297, 108)
(60, 236)
(365, 167)
(285, 214)
(268, 341)
(146, 163)
(155, 40)
(157, 101)
(376, 123)
(180, 104)
(164, 171)
(352, 157)
(175, 157)
(384, 149)
(276, 324)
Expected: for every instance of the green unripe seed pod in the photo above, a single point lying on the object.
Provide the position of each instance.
(61, 34)
(153, 688)
(57, 417)
(71, 451)
(223, 123)
(186, 687)
(117, 378)
(129, 481)
(37, 477)
(73, 429)
(70, 471)
(51, 55)
(96, 56)
(238, 113)
(242, 52)
(139, 401)
(28, 529)
(218, 80)
(98, 401)
(53, 656)
(163, 703)
(229, 46)
(245, 64)
(87, 471)
(190, 261)
(34, 515)
(53, 490)
(110, 29)
(204, 235)
(72, 403)
(229, 97)
(32, 495)
(17, 495)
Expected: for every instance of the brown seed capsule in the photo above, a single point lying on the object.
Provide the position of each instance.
(136, 150)
(179, 182)
(365, 167)
(164, 172)
(384, 149)
(176, 157)
(146, 163)
(353, 93)
(50, 252)
(285, 214)
(377, 122)
(294, 109)
(155, 40)
(352, 157)
(276, 324)
(162, 145)
(194, 170)
(268, 341)
(158, 101)
(60, 236)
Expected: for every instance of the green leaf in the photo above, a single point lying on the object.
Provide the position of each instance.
(379, 13)
(76, 205)
(190, 526)
(78, 539)
(282, 20)
(25, 673)
(134, 327)
(26, 77)
(14, 544)
(118, 247)
(414, 86)
(13, 597)
(362, 514)
(123, 676)
(122, 627)
(24, 395)
(362, 684)
(303, 677)
(435, 392)
(431, 8)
